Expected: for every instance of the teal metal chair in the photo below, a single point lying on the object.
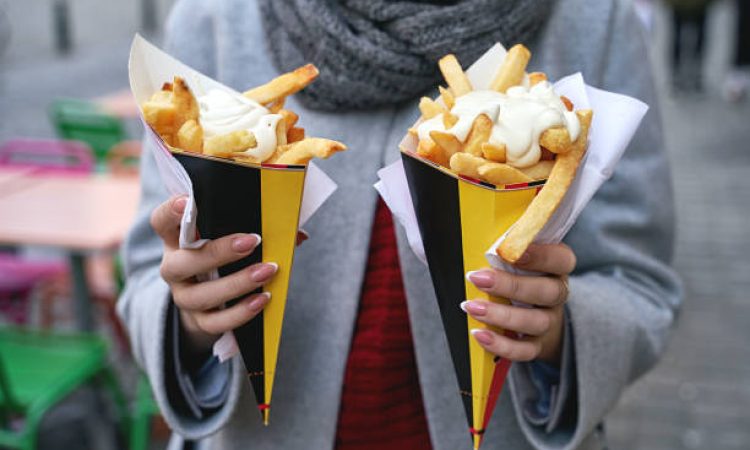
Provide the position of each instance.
(38, 370)
(85, 121)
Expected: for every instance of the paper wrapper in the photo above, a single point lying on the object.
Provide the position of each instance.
(227, 197)
(454, 224)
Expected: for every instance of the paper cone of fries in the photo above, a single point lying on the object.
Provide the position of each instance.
(225, 197)
(459, 218)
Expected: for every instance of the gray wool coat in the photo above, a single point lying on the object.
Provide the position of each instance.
(623, 295)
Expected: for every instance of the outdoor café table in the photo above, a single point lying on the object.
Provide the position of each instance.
(79, 214)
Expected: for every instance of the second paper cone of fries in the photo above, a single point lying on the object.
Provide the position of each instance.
(243, 161)
(494, 154)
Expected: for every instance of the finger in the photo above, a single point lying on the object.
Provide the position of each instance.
(536, 290)
(302, 236)
(506, 347)
(212, 294)
(557, 259)
(222, 320)
(165, 220)
(183, 264)
(530, 321)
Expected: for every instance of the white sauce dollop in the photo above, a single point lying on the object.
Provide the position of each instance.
(222, 112)
(520, 116)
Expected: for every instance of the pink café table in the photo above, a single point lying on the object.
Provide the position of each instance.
(79, 214)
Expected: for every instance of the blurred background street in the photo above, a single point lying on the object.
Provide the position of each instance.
(699, 394)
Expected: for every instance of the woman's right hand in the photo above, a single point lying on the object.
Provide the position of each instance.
(199, 303)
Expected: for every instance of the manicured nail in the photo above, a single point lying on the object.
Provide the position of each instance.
(474, 308)
(263, 271)
(481, 278)
(259, 300)
(178, 206)
(244, 244)
(482, 336)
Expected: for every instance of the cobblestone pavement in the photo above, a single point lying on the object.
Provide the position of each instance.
(699, 394)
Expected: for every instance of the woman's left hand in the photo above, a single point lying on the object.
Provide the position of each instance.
(541, 327)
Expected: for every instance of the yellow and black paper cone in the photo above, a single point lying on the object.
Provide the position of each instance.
(263, 199)
(459, 218)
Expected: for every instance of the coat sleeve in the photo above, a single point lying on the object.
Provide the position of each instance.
(145, 302)
(624, 295)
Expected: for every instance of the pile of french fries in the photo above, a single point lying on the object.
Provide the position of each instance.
(477, 158)
(174, 114)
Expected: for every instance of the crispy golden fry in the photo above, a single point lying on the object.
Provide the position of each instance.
(544, 205)
(283, 85)
(540, 170)
(413, 131)
(454, 75)
(499, 174)
(303, 151)
(556, 140)
(513, 69)
(448, 142)
(567, 102)
(536, 78)
(290, 118)
(479, 134)
(281, 133)
(245, 158)
(466, 164)
(295, 134)
(447, 96)
(449, 120)
(430, 108)
(494, 153)
(277, 106)
(185, 102)
(430, 150)
(225, 145)
(160, 112)
(190, 136)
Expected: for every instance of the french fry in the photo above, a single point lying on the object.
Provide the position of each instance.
(303, 151)
(448, 142)
(556, 140)
(540, 170)
(430, 150)
(546, 202)
(567, 102)
(479, 134)
(499, 174)
(224, 145)
(454, 75)
(536, 78)
(512, 71)
(466, 164)
(290, 118)
(283, 85)
(295, 134)
(277, 106)
(281, 133)
(190, 136)
(185, 103)
(160, 112)
(430, 108)
(449, 120)
(447, 96)
(494, 153)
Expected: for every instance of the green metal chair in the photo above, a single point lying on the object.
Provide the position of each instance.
(144, 410)
(40, 369)
(84, 121)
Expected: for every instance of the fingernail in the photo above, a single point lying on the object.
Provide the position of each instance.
(481, 278)
(474, 308)
(259, 300)
(263, 271)
(482, 336)
(244, 244)
(178, 206)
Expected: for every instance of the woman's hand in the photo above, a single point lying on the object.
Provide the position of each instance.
(541, 327)
(199, 302)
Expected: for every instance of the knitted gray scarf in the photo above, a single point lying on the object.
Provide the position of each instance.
(377, 52)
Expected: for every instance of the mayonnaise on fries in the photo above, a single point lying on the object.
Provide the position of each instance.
(519, 117)
(251, 128)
